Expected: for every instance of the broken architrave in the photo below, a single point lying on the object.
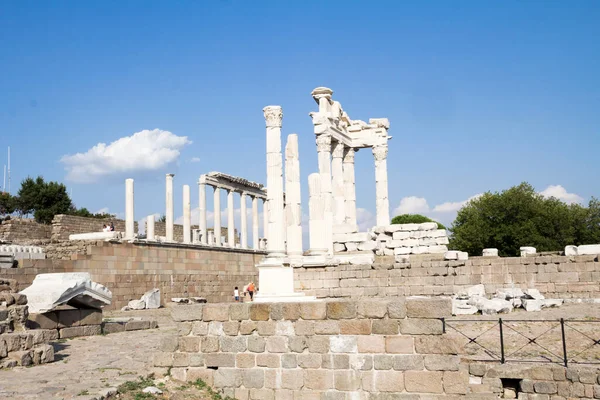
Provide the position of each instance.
(76, 289)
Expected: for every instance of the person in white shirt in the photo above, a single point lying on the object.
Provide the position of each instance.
(236, 294)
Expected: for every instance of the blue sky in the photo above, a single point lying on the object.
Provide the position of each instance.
(480, 95)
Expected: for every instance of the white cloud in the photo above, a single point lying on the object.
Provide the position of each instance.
(195, 159)
(412, 205)
(561, 193)
(451, 207)
(143, 151)
(365, 219)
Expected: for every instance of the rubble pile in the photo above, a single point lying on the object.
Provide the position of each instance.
(474, 300)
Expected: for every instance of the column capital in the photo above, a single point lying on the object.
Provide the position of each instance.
(321, 92)
(337, 150)
(273, 116)
(324, 143)
(380, 152)
(349, 153)
(170, 175)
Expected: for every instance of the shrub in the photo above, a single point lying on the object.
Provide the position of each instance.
(414, 219)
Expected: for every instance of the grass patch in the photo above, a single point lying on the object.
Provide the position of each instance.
(83, 393)
(200, 384)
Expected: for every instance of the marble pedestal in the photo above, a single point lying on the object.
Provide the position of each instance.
(276, 283)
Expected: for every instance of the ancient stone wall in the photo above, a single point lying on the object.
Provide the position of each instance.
(160, 229)
(23, 230)
(554, 276)
(325, 350)
(65, 225)
(28, 269)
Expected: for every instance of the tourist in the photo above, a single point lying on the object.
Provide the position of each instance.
(236, 294)
(112, 227)
(105, 228)
(251, 290)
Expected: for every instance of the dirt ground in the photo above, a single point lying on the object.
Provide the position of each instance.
(532, 336)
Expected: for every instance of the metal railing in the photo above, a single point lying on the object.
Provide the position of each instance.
(560, 341)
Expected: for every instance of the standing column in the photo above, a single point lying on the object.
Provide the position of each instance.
(129, 215)
(349, 186)
(265, 219)
(324, 157)
(243, 221)
(316, 205)
(169, 211)
(230, 223)
(381, 185)
(337, 183)
(292, 197)
(276, 229)
(202, 210)
(150, 227)
(255, 237)
(187, 223)
(217, 216)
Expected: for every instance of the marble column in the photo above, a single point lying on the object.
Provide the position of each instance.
(337, 183)
(129, 215)
(255, 237)
(382, 203)
(202, 211)
(243, 221)
(293, 198)
(265, 219)
(324, 158)
(349, 186)
(169, 211)
(150, 227)
(230, 220)
(187, 215)
(217, 217)
(276, 229)
(316, 225)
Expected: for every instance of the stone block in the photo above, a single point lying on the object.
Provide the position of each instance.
(289, 361)
(230, 328)
(189, 344)
(399, 345)
(42, 321)
(336, 361)
(428, 307)
(297, 344)
(304, 328)
(284, 328)
(421, 326)
(545, 387)
(75, 331)
(423, 381)
(90, 317)
(163, 359)
(248, 327)
(371, 344)
(253, 378)
(456, 382)
(361, 362)
(227, 378)
(221, 360)
(136, 325)
(397, 309)
(292, 379)
(383, 361)
(439, 362)
(239, 311)
(319, 344)
(347, 381)
(256, 344)
(215, 312)
(326, 327)
(68, 318)
(427, 344)
(245, 360)
(191, 312)
(309, 360)
(313, 311)
(389, 381)
(276, 344)
(291, 311)
(181, 359)
(233, 344)
(91, 330)
(266, 328)
(205, 374)
(408, 362)
(318, 379)
(372, 309)
(385, 327)
(269, 360)
(355, 326)
(112, 327)
(342, 344)
(260, 312)
(209, 344)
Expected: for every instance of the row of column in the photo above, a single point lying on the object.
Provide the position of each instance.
(216, 238)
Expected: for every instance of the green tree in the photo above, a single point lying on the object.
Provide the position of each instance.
(414, 219)
(7, 203)
(519, 217)
(84, 212)
(43, 199)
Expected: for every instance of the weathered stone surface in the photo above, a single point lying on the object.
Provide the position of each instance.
(256, 344)
(245, 360)
(292, 379)
(191, 312)
(371, 344)
(219, 360)
(355, 327)
(399, 345)
(313, 311)
(318, 344)
(341, 310)
(215, 328)
(437, 345)
(326, 327)
(456, 382)
(260, 312)
(227, 377)
(423, 381)
(421, 326)
(42, 321)
(189, 344)
(266, 328)
(439, 362)
(397, 309)
(276, 344)
(215, 312)
(269, 360)
(233, 344)
(372, 309)
(309, 360)
(545, 387)
(253, 378)
(428, 307)
(343, 344)
(408, 362)
(209, 344)
(318, 379)
(385, 327)
(239, 311)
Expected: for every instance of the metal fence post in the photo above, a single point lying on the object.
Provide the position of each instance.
(443, 325)
(564, 341)
(502, 360)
